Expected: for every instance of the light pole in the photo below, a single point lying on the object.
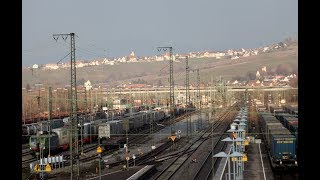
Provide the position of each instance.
(234, 140)
(239, 147)
(242, 125)
(99, 151)
(228, 156)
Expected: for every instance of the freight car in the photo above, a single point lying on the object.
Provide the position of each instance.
(59, 139)
(275, 109)
(291, 123)
(34, 128)
(90, 130)
(291, 109)
(280, 143)
(140, 120)
(281, 116)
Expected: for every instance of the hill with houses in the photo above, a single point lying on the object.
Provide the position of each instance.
(242, 65)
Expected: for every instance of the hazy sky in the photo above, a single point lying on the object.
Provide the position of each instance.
(114, 28)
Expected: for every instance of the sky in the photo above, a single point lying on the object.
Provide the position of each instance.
(114, 28)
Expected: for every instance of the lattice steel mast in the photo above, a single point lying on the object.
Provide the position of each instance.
(73, 101)
(171, 82)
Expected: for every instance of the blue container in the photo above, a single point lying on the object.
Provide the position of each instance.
(283, 147)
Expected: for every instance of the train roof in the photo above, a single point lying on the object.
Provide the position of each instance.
(291, 118)
(283, 136)
(279, 130)
(286, 114)
(114, 121)
(269, 118)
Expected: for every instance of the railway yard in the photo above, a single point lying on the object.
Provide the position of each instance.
(149, 145)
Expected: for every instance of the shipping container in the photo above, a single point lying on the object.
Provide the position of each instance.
(271, 125)
(283, 147)
(281, 116)
(291, 109)
(277, 131)
(289, 119)
(116, 127)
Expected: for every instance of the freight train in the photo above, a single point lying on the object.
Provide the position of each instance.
(290, 121)
(280, 142)
(59, 139)
(35, 128)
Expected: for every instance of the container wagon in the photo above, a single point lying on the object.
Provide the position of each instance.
(280, 143)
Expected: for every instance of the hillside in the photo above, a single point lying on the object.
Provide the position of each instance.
(152, 72)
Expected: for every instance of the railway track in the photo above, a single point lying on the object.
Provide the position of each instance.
(140, 139)
(134, 140)
(26, 153)
(206, 168)
(205, 171)
(66, 155)
(177, 163)
(137, 139)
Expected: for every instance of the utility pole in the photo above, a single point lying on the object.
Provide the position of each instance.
(101, 97)
(73, 100)
(49, 113)
(171, 82)
(188, 97)
(152, 121)
(38, 100)
(212, 122)
(96, 97)
(127, 142)
(199, 99)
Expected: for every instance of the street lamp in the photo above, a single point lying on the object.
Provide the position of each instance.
(239, 136)
(228, 156)
(234, 150)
